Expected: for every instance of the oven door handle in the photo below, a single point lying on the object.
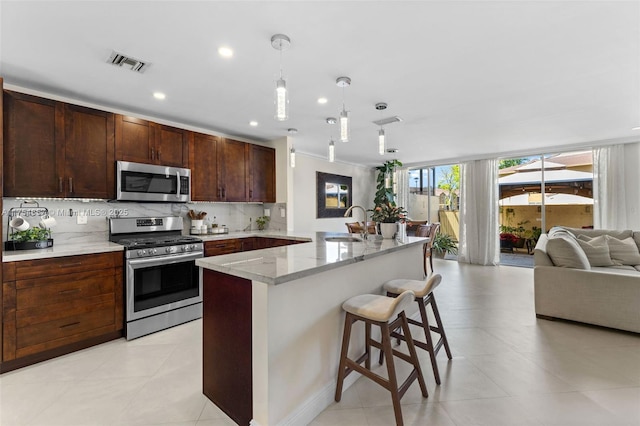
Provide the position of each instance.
(151, 261)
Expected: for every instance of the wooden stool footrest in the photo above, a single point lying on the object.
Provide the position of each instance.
(352, 366)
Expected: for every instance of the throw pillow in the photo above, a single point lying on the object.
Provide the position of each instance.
(596, 250)
(565, 252)
(624, 251)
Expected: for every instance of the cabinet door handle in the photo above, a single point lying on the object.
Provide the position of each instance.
(60, 188)
(69, 265)
(70, 291)
(251, 193)
(223, 193)
(159, 155)
(70, 184)
(153, 154)
(70, 325)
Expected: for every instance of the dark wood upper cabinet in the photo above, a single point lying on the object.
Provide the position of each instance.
(133, 139)
(233, 170)
(53, 149)
(230, 170)
(262, 174)
(203, 162)
(33, 134)
(89, 153)
(142, 141)
(56, 149)
(171, 146)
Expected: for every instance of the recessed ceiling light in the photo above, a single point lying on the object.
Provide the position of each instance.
(225, 52)
(253, 123)
(636, 128)
(159, 95)
(322, 101)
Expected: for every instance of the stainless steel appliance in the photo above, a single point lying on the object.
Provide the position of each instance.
(149, 182)
(163, 286)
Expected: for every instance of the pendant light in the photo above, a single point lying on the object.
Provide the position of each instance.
(344, 114)
(292, 150)
(292, 157)
(381, 106)
(281, 42)
(381, 141)
(332, 145)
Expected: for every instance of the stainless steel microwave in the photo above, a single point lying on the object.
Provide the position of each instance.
(149, 182)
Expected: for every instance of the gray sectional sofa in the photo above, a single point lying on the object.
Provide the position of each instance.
(590, 276)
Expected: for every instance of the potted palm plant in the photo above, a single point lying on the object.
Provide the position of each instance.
(443, 244)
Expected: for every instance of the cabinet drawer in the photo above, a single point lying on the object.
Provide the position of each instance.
(26, 269)
(64, 327)
(215, 248)
(57, 311)
(65, 288)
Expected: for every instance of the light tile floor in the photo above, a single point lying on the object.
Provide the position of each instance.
(508, 369)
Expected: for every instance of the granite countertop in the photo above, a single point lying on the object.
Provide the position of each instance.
(287, 263)
(60, 250)
(74, 249)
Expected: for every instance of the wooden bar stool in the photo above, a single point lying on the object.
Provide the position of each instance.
(388, 314)
(423, 291)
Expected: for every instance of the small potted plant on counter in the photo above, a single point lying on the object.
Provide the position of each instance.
(388, 215)
(262, 222)
(32, 238)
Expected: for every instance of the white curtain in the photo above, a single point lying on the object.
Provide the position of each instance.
(402, 187)
(479, 242)
(615, 187)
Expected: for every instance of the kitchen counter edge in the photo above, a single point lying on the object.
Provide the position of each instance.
(61, 250)
(253, 265)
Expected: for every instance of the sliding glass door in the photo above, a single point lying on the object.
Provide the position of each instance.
(539, 192)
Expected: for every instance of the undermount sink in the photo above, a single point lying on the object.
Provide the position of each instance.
(343, 239)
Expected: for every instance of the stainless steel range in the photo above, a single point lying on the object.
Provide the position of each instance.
(163, 285)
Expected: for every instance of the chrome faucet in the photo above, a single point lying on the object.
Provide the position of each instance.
(364, 234)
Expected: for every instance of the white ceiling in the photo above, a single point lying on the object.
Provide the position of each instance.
(470, 79)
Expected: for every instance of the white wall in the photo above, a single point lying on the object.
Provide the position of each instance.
(302, 198)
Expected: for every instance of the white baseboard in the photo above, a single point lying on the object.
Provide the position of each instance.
(317, 403)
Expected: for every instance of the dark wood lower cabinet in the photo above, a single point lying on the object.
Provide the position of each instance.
(60, 305)
(235, 245)
(226, 357)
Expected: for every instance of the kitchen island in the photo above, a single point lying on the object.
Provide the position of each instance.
(273, 319)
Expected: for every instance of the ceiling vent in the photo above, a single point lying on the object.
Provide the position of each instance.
(388, 120)
(125, 61)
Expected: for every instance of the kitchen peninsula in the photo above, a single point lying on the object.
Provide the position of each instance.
(273, 320)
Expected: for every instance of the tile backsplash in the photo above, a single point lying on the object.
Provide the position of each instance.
(236, 216)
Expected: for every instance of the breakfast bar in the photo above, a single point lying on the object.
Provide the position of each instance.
(272, 320)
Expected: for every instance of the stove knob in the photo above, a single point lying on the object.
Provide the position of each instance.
(183, 248)
(192, 246)
(168, 250)
(140, 252)
(153, 251)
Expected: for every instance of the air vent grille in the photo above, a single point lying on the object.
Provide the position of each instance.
(388, 120)
(122, 60)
